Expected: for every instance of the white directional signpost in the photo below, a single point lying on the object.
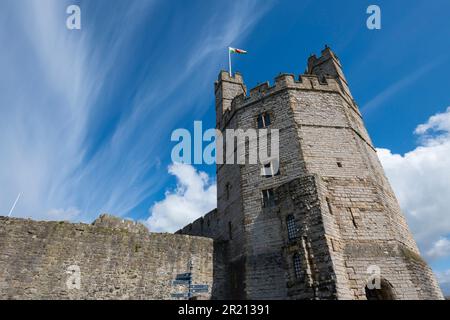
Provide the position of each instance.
(185, 279)
(180, 295)
(198, 288)
(180, 282)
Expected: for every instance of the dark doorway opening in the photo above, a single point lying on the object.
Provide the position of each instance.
(385, 292)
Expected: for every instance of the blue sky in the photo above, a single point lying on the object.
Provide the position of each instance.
(86, 115)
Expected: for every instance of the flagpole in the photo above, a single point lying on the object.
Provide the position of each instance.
(229, 61)
(14, 205)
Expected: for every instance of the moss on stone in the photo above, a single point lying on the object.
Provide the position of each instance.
(411, 255)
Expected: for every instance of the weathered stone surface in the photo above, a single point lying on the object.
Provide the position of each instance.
(330, 180)
(117, 260)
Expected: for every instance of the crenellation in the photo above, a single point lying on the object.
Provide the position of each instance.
(332, 185)
(283, 82)
(260, 90)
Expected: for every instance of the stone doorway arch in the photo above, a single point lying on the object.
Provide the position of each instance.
(385, 292)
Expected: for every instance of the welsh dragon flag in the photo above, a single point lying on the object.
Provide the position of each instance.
(239, 51)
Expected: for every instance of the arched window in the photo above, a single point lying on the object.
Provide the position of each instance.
(297, 265)
(291, 227)
(385, 292)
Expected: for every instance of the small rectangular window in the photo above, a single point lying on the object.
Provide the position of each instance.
(297, 265)
(271, 169)
(291, 228)
(268, 198)
(264, 120)
(227, 191)
(230, 231)
(260, 122)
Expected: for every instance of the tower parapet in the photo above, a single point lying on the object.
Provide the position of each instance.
(328, 65)
(324, 74)
(314, 229)
(226, 89)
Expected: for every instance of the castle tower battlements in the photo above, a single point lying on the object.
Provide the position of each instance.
(319, 227)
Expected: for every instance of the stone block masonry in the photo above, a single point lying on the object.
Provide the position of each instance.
(334, 216)
(117, 260)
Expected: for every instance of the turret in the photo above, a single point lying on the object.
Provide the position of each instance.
(226, 89)
(328, 65)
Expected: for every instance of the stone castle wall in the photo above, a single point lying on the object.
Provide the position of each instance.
(117, 260)
(330, 180)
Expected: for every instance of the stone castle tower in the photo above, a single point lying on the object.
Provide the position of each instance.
(328, 219)
(326, 225)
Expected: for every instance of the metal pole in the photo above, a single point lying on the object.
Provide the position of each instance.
(229, 61)
(14, 205)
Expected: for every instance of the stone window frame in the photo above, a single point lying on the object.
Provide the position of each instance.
(292, 229)
(230, 230)
(270, 163)
(297, 265)
(263, 117)
(227, 191)
(268, 198)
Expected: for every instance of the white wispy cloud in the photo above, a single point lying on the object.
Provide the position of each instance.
(194, 196)
(399, 85)
(421, 180)
(438, 123)
(59, 89)
(440, 248)
(64, 214)
(444, 280)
